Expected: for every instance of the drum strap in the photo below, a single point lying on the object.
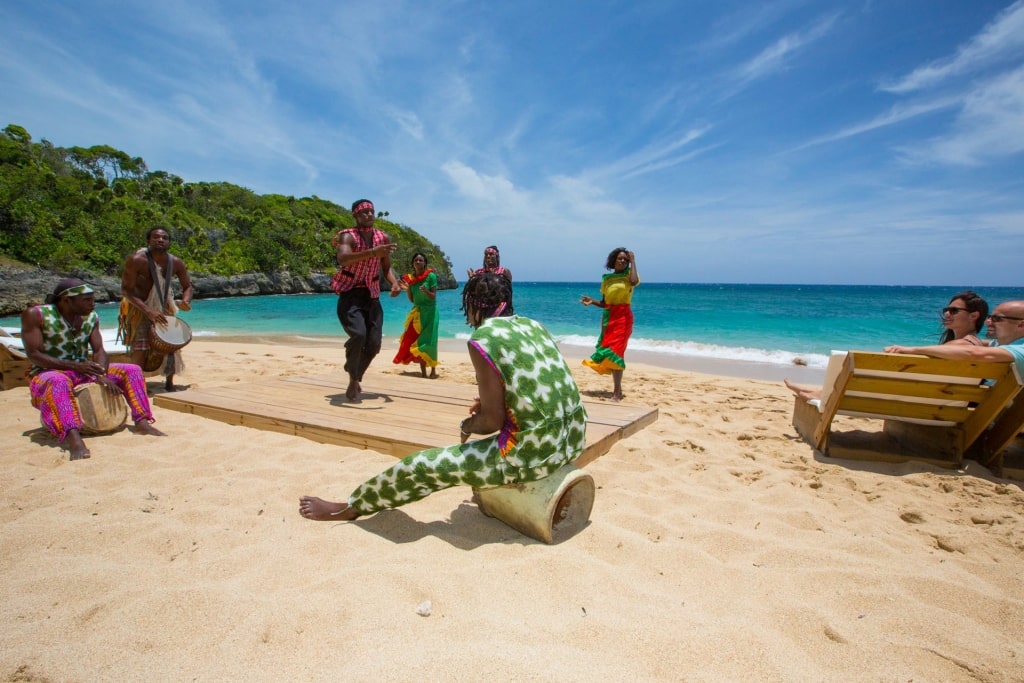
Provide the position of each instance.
(166, 281)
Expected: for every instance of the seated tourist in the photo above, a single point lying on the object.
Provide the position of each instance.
(1007, 324)
(962, 320)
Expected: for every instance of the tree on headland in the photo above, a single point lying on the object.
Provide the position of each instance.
(87, 208)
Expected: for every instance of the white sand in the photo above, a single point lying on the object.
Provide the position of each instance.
(720, 549)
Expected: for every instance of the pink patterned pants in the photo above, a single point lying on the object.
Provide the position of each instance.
(52, 394)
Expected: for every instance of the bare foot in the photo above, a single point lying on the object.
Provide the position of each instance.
(175, 387)
(616, 397)
(423, 369)
(144, 427)
(77, 447)
(806, 393)
(433, 373)
(321, 510)
(352, 393)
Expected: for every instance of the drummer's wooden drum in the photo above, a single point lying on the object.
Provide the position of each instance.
(102, 410)
(167, 339)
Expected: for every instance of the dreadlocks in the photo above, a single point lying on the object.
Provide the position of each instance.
(488, 294)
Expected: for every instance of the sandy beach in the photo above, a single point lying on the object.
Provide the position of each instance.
(720, 548)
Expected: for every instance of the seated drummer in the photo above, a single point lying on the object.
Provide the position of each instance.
(58, 338)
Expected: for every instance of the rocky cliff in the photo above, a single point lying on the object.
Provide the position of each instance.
(20, 288)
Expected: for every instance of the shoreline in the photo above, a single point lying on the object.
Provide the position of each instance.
(766, 372)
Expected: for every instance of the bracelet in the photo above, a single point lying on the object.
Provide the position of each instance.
(462, 426)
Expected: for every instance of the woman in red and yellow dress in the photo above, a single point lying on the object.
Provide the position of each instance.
(617, 320)
(419, 340)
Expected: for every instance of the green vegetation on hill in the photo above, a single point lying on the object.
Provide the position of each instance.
(88, 208)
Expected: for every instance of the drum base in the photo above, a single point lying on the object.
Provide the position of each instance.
(102, 411)
(549, 509)
(153, 361)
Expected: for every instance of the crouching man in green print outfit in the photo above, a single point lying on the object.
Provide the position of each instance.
(527, 395)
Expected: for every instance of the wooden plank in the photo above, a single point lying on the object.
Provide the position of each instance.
(261, 414)
(935, 390)
(390, 417)
(395, 416)
(405, 408)
(891, 362)
(884, 408)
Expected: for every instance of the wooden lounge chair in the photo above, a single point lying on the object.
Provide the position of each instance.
(933, 410)
(14, 364)
(1001, 448)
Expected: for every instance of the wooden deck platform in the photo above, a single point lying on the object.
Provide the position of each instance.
(397, 415)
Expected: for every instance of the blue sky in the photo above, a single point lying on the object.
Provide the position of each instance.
(874, 142)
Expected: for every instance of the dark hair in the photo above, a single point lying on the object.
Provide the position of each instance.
(497, 255)
(426, 261)
(65, 283)
(357, 203)
(149, 233)
(610, 263)
(489, 294)
(974, 304)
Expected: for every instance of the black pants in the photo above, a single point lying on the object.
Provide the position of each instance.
(363, 319)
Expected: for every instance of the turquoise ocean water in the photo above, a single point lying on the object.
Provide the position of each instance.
(771, 324)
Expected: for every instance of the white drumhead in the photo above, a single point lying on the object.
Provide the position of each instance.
(176, 332)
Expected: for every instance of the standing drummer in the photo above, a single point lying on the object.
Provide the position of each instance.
(146, 299)
(59, 337)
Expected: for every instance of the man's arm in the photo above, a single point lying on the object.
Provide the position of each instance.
(32, 340)
(99, 354)
(389, 272)
(956, 352)
(186, 283)
(347, 254)
(135, 265)
(488, 412)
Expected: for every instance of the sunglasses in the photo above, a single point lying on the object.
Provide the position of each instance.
(953, 310)
(996, 318)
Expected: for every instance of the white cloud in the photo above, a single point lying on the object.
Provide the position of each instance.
(407, 121)
(1001, 39)
(583, 200)
(896, 114)
(481, 187)
(774, 58)
(656, 156)
(990, 125)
